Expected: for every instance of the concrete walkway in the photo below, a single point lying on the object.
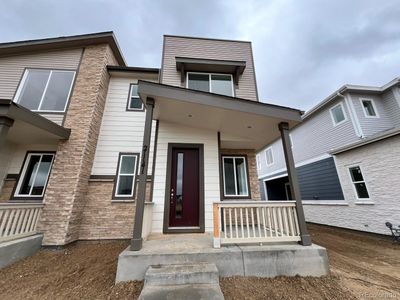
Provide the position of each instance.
(182, 282)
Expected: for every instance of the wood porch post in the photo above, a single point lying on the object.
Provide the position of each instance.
(137, 240)
(5, 124)
(294, 183)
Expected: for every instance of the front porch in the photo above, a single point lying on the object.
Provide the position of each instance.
(261, 260)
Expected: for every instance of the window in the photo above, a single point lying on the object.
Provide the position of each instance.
(359, 183)
(34, 175)
(369, 108)
(214, 83)
(134, 101)
(45, 90)
(258, 162)
(338, 114)
(126, 175)
(235, 176)
(269, 158)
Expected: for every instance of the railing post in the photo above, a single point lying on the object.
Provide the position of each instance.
(294, 184)
(216, 218)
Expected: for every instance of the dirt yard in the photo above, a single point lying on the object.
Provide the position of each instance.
(362, 267)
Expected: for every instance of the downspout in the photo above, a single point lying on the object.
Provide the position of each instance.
(352, 115)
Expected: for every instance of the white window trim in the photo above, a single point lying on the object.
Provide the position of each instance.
(272, 156)
(358, 200)
(130, 99)
(373, 106)
(23, 173)
(125, 174)
(209, 80)
(22, 83)
(333, 117)
(291, 140)
(258, 159)
(234, 172)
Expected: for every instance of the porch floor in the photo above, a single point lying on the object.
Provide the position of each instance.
(270, 260)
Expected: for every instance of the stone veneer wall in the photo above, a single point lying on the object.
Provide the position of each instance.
(252, 168)
(7, 189)
(103, 218)
(68, 182)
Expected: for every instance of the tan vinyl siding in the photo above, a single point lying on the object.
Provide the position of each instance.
(12, 67)
(56, 118)
(209, 49)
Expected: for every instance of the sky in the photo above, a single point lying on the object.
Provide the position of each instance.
(303, 50)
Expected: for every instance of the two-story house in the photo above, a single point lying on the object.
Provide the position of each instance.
(346, 155)
(93, 149)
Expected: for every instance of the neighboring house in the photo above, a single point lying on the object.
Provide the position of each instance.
(346, 152)
(107, 151)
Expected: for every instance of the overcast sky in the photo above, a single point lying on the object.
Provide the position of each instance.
(303, 50)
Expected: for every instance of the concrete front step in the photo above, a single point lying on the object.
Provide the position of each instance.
(182, 292)
(199, 273)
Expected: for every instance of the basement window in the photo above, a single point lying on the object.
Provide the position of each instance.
(235, 176)
(126, 176)
(359, 183)
(208, 82)
(134, 101)
(34, 175)
(45, 90)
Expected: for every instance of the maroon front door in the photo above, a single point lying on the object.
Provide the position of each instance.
(185, 187)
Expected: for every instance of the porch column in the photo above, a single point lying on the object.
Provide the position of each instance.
(136, 242)
(5, 124)
(294, 183)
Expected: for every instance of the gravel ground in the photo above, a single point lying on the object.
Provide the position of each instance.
(362, 267)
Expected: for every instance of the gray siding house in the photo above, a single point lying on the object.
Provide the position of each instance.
(342, 159)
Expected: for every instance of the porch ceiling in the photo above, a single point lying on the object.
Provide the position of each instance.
(243, 124)
(29, 127)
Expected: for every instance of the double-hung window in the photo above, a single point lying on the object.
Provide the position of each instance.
(235, 176)
(45, 90)
(126, 175)
(369, 108)
(338, 115)
(269, 157)
(134, 101)
(359, 182)
(34, 175)
(214, 83)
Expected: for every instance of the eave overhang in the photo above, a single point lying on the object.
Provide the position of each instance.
(29, 125)
(242, 123)
(187, 64)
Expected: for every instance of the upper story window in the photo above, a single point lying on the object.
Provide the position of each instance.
(369, 109)
(269, 157)
(213, 83)
(134, 101)
(45, 90)
(359, 183)
(338, 115)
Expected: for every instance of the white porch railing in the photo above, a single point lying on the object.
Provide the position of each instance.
(18, 220)
(246, 222)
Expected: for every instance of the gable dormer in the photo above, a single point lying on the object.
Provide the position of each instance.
(216, 66)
